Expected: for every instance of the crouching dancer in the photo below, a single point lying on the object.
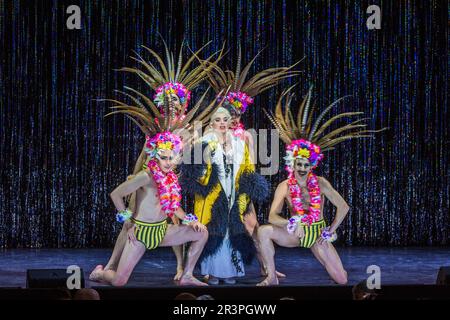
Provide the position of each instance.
(158, 196)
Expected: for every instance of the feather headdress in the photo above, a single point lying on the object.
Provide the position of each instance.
(171, 77)
(242, 91)
(305, 136)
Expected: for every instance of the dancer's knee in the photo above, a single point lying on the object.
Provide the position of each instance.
(204, 235)
(264, 232)
(250, 221)
(201, 236)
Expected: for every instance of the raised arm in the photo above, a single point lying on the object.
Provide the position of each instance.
(128, 187)
(277, 206)
(336, 199)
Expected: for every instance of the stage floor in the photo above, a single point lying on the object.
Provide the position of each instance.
(156, 269)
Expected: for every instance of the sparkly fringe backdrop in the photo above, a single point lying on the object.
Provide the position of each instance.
(60, 158)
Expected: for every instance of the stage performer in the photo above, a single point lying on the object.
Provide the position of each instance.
(239, 98)
(226, 183)
(303, 191)
(158, 196)
(178, 96)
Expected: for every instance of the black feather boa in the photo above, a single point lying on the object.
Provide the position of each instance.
(257, 188)
(250, 183)
(190, 174)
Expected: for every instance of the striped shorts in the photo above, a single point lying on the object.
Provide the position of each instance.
(150, 233)
(312, 232)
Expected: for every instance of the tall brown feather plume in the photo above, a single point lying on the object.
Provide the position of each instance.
(304, 128)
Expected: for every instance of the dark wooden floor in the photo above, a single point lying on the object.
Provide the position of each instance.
(156, 269)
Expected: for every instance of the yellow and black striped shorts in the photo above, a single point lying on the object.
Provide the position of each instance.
(312, 232)
(150, 233)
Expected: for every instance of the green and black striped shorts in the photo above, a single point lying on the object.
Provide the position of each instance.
(150, 233)
(312, 232)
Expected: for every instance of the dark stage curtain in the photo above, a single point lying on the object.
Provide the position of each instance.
(60, 158)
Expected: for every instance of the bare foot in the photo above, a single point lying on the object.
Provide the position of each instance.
(279, 274)
(112, 267)
(178, 275)
(190, 280)
(96, 273)
(268, 282)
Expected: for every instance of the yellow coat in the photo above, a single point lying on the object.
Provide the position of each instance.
(203, 205)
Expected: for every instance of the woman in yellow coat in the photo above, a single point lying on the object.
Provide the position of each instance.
(223, 186)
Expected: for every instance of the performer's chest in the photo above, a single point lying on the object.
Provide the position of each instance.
(305, 198)
(148, 197)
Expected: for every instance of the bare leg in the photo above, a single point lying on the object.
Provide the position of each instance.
(180, 234)
(251, 225)
(131, 255)
(178, 250)
(267, 235)
(328, 257)
(179, 253)
(117, 251)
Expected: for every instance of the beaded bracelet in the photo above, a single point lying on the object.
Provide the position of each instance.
(293, 223)
(188, 218)
(327, 235)
(124, 215)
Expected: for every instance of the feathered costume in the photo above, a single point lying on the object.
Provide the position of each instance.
(223, 211)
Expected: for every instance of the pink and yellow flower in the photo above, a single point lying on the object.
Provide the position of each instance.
(303, 149)
(162, 141)
(239, 100)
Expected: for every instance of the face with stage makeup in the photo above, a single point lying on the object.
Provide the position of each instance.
(235, 116)
(220, 121)
(235, 120)
(174, 95)
(165, 160)
(164, 148)
(302, 156)
(174, 103)
(302, 166)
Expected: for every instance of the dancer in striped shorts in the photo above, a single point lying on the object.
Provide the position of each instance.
(303, 191)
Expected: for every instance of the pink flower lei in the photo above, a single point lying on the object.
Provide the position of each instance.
(304, 149)
(169, 189)
(239, 130)
(295, 191)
